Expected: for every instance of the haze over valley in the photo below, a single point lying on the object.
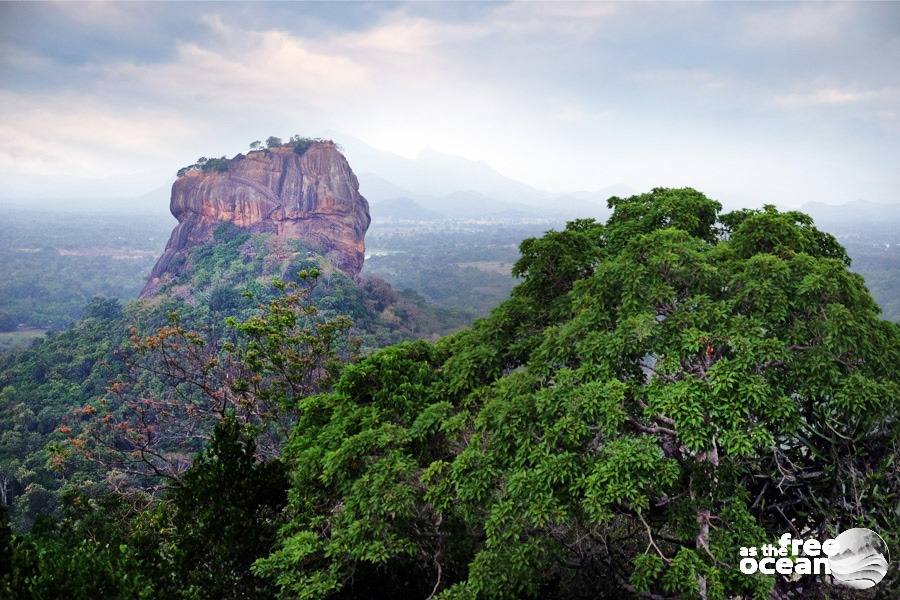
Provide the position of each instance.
(444, 227)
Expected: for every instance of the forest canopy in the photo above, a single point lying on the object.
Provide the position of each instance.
(660, 390)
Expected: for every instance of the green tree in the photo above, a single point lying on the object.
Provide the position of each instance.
(659, 391)
(6, 549)
(197, 542)
(273, 142)
(225, 513)
(302, 144)
(256, 145)
(84, 555)
(283, 352)
(103, 308)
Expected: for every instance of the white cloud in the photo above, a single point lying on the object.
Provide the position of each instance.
(692, 78)
(802, 22)
(240, 67)
(69, 135)
(571, 18)
(400, 33)
(827, 96)
(104, 14)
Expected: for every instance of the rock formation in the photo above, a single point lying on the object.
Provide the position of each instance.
(312, 196)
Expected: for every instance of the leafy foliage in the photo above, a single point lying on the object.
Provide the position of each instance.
(50, 391)
(141, 431)
(659, 391)
(40, 386)
(224, 515)
(206, 165)
(197, 542)
(302, 144)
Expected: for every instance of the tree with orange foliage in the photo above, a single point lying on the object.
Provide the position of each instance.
(179, 383)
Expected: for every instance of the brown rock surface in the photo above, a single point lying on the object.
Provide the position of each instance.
(314, 196)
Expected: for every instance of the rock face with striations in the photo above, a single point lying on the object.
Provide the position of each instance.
(314, 197)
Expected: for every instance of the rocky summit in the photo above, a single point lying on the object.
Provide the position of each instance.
(313, 196)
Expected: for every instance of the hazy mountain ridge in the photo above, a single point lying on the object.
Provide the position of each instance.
(458, 187)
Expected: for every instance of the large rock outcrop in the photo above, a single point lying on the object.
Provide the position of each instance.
(314, 196)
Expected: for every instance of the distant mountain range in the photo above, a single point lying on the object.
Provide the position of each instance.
(435, 185)
(459, 188)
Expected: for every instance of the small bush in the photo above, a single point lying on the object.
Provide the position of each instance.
(218, 165)
(302, 144)
(206, 165)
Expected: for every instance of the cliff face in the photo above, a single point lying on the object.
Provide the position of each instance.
(314, 196)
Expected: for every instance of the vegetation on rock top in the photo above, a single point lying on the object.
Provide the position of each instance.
(220, 165)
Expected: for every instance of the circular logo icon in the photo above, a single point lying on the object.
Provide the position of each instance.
(858, 559)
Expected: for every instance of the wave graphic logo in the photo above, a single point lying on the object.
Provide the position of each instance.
(857, 558)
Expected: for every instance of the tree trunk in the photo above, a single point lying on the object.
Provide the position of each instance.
(702, 543)
(703, 516)
(4, 489)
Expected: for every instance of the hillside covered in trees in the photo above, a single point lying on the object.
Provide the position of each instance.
(658, 391)
(231, 276)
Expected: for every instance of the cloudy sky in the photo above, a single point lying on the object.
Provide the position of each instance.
(748, 102)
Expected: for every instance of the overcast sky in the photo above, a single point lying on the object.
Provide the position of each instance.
(765, 102)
